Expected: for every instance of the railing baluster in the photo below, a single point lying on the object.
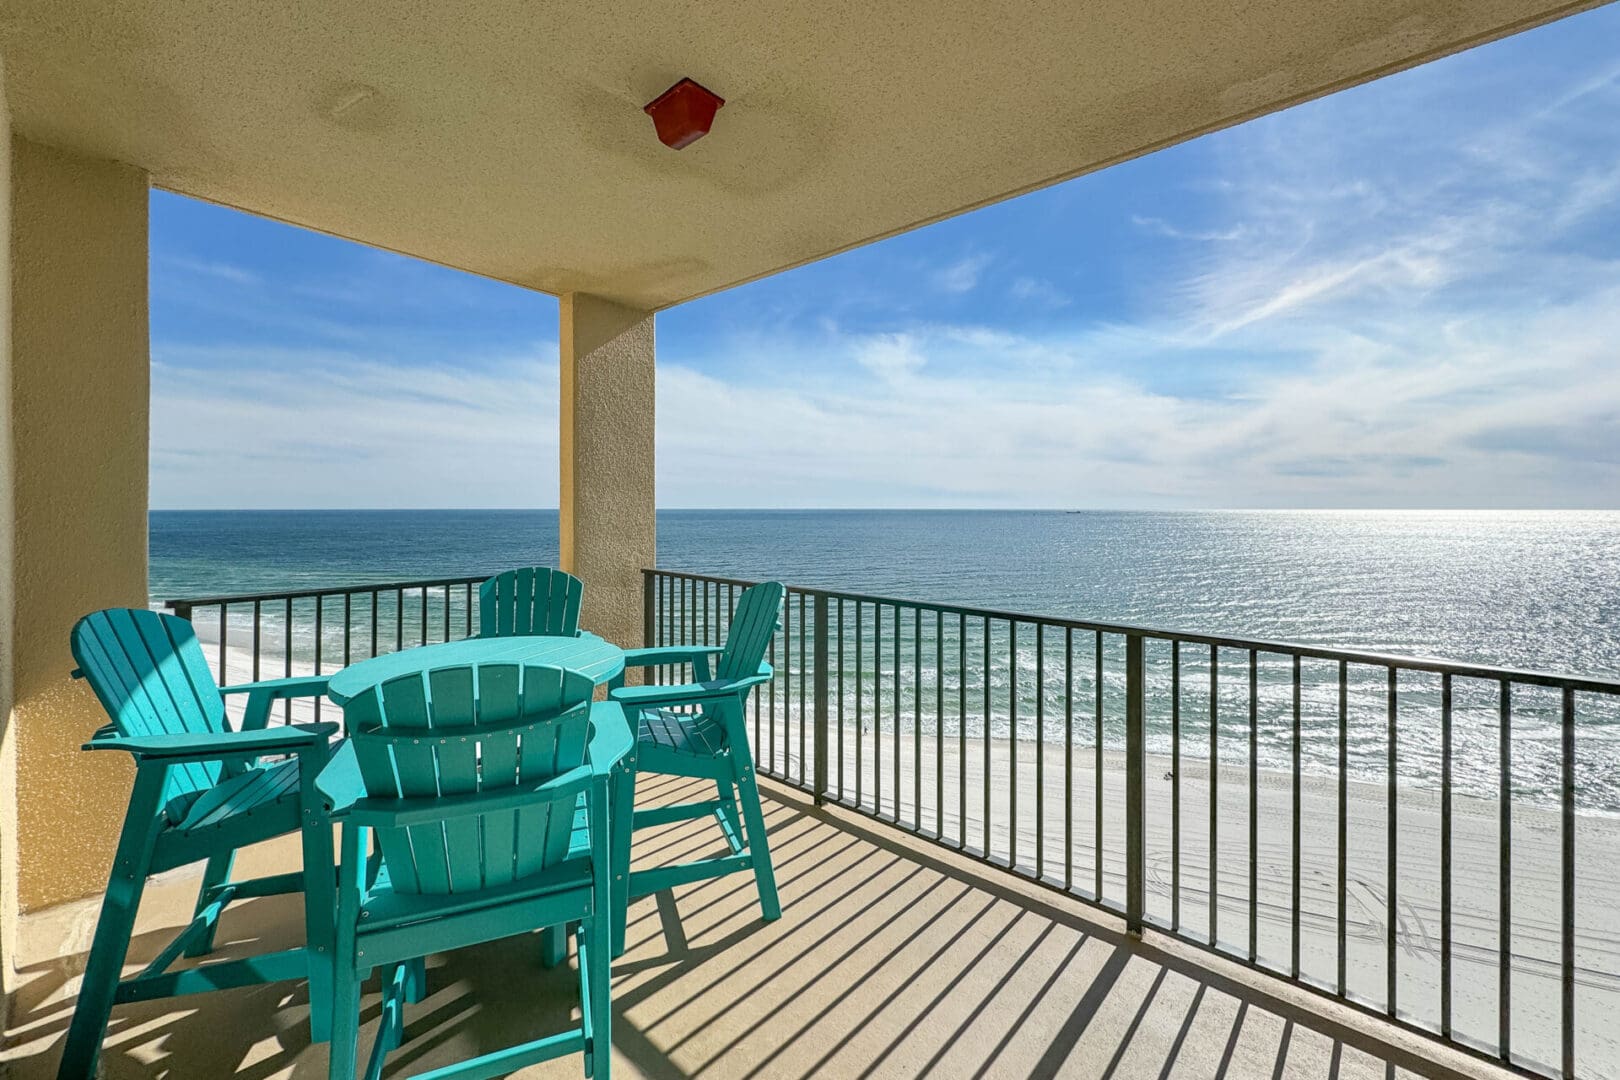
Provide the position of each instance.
(1097, 765)
(1566, 774)
(1214, 793)
(939, 725)
(770, 656)
(1068, 757)
(258, 614)
(802, 710)
(899, 708)
(223, 676)
(1504, 877)
(348, 627)
(840, 698)
(1254, 805)
(986, 679)
(1293, 936)
(1445, 856)
(1343, 823)
(1012, 743)
(916, 718)
(1175, 785)
(822, 683)
(424, 628)
(1390, 884)
(787, 686)
(1135, 784)
(320, 611)
(961, 731)
(1040, 750)
(860, 725)
(877, 709)
(286, 657)
(399, 619)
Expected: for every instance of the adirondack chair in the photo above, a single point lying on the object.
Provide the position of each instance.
(488, 789)
(533, 600)
(201, 792)
(696, 730)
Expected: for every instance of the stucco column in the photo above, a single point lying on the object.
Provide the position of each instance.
(606, 498)
(76, 423)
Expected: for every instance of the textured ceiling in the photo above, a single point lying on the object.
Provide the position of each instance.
(506, 136)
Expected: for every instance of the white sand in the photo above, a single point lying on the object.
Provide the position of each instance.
(1536, 900)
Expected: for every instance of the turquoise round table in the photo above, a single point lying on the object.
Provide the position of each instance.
(586, 654)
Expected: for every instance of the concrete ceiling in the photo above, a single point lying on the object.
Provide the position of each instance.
(506, 137)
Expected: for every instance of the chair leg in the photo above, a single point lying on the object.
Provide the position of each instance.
(342, 1001)
(623, 816)
(114, 927)
(345, 1028)
(553, 946)
(320, 900)
(217, 872)
(601, 1002)
(758, 845)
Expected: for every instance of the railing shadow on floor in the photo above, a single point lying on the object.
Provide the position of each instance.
(892, 959)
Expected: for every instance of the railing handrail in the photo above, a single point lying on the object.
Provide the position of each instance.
(177, 603)
(1433, 665)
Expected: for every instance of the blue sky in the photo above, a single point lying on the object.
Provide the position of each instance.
(1405, 295)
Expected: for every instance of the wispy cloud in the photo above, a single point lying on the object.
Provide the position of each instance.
(962, 275)
(1036, 290)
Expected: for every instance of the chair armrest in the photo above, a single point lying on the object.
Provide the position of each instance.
(339, 783)
(611, 737)
(646, 697)
(263, 694)
(400, 813)
(215, 746)
(670, 654)
(295, 687)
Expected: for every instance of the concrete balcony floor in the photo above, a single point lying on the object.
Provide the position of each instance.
(893, 958)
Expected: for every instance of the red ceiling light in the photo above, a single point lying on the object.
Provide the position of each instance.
(683, 114)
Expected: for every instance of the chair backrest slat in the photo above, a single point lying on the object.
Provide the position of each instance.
(483, 728)
(530, 600)
(753, 624)
(149, 673)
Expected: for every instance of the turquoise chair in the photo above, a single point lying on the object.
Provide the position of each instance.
(201, 792)
(534, 600)
(488, 789)
(696, 730)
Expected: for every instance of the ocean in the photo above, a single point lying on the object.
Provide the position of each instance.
(1536, 590)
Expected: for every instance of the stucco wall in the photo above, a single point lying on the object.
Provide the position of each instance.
(78, 482)
(607, 502)
(8, 757)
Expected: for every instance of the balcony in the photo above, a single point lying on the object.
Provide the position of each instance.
(993, 836)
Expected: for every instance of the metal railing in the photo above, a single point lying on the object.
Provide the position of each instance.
(1398, 833)
(319, 631)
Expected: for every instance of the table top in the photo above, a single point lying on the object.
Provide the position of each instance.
(586, 654)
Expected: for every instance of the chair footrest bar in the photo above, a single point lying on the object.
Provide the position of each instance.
(272, 885)
(511, 1059)
(664, 815)
(202, 922)
(643, 882)
(270, 967)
